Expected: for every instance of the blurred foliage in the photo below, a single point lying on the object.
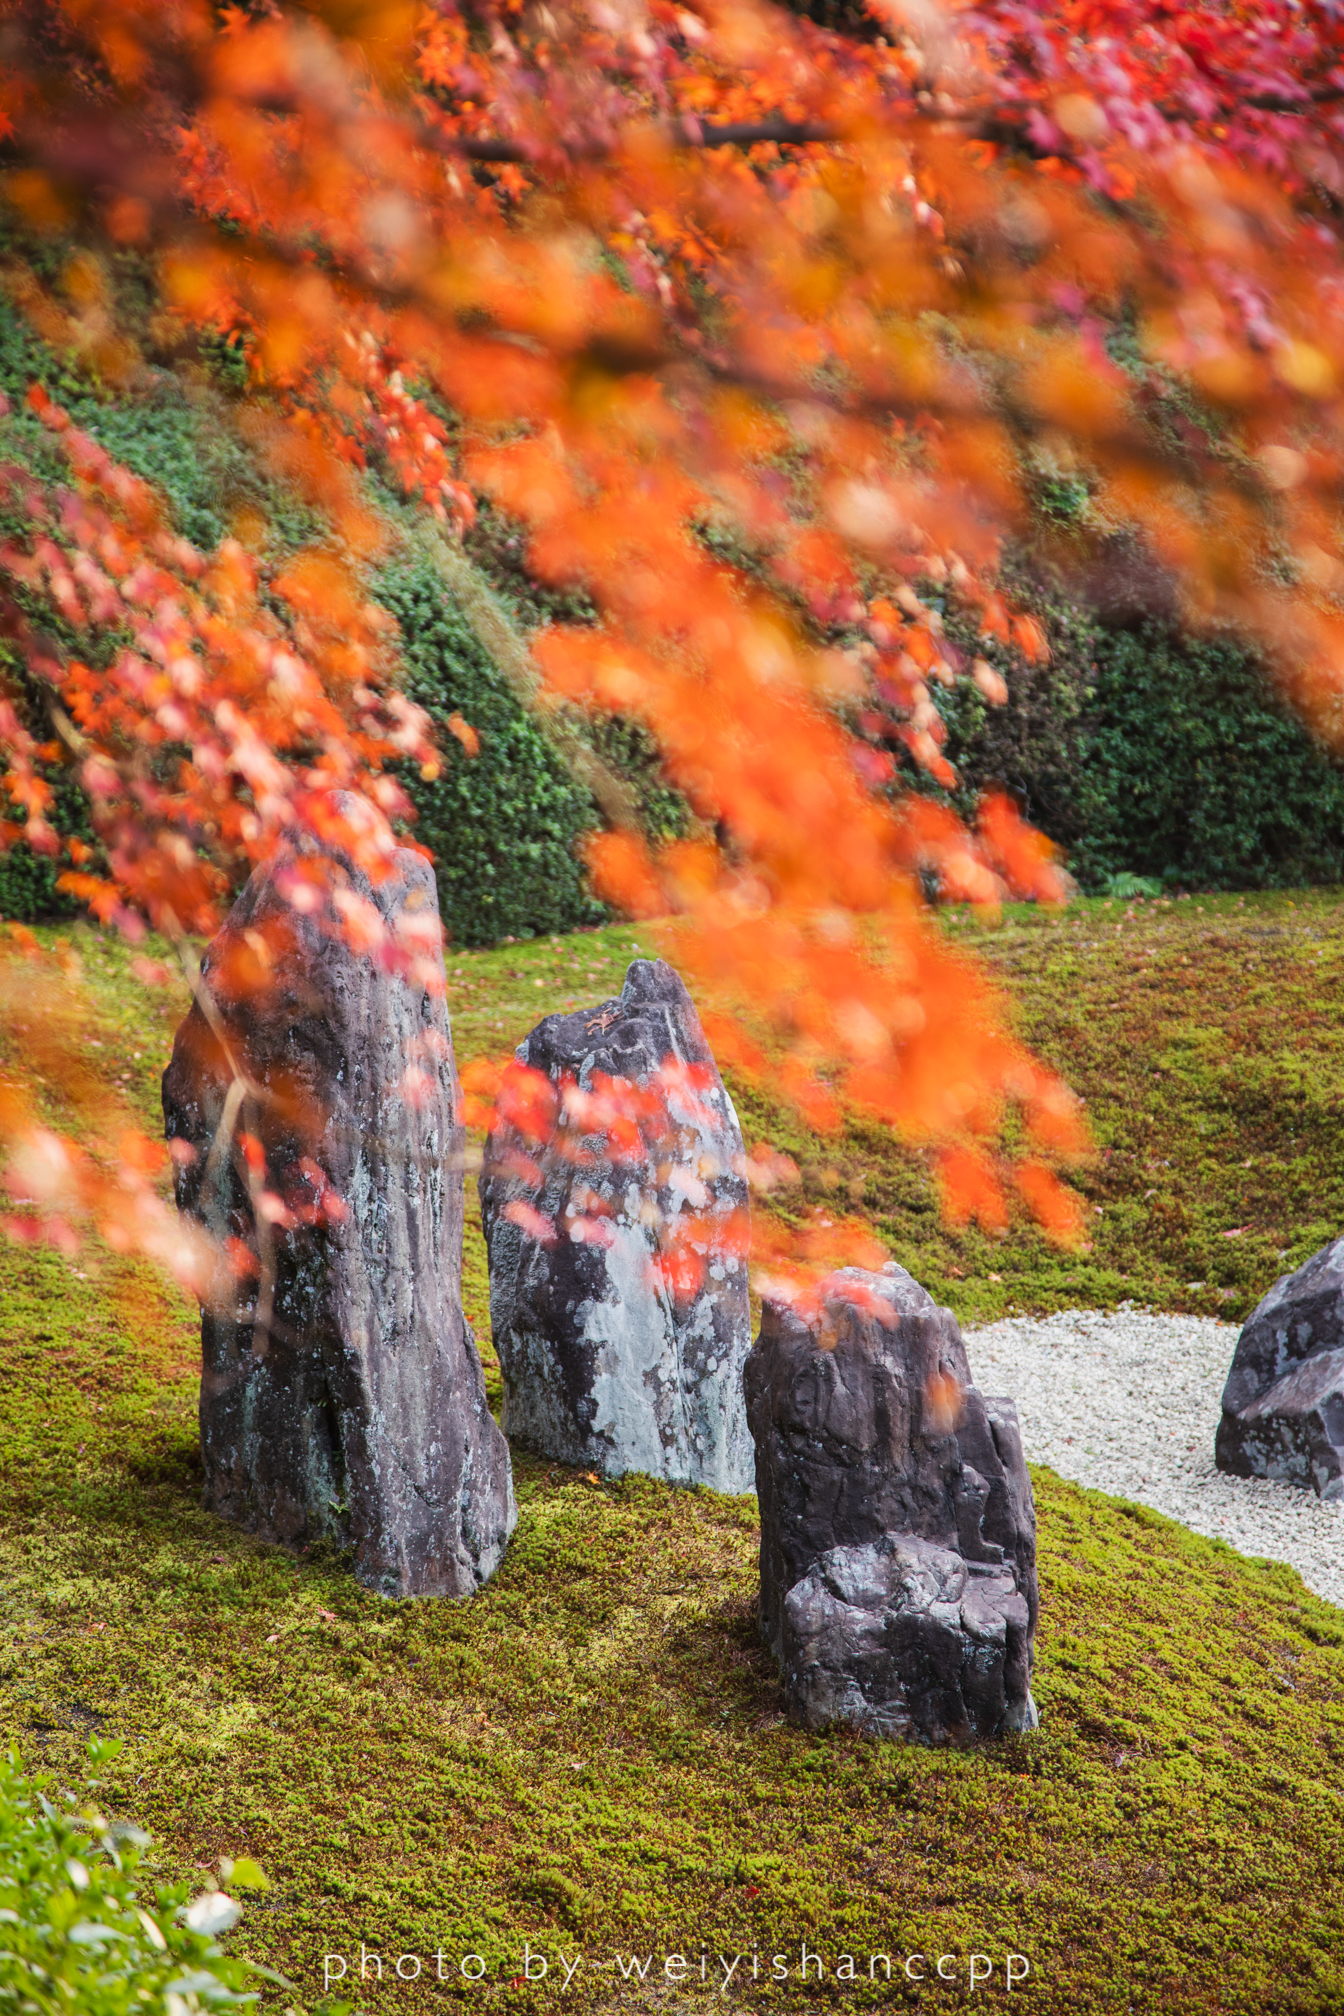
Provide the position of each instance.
(1205, 1035)
(171, 427)
(173, 430)
(83, 1926)
(504, 826)
(27, 880)
(1140, 750)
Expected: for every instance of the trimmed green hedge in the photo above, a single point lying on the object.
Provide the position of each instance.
(175, 434)
(28, 891)
(504, 825)
(1150, 752)
(1199, 775)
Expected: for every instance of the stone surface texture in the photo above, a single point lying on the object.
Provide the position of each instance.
(604, 1365)
(898, 1531)
(1283, 1404)
(342, 1398)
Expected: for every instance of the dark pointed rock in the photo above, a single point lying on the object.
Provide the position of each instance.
(898, 1531)
(1283, 1405)
(342, 1397)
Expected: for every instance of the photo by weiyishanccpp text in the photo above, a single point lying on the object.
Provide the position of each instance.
(363, 1971)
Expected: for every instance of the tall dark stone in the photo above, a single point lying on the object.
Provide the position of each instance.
(898, 1531)
(1283, 1404)
(603, 1364)
(342, 1397)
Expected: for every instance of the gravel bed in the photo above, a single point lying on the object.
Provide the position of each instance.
(1128, 1404)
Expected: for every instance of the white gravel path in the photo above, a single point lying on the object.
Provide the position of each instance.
(1128, 1403)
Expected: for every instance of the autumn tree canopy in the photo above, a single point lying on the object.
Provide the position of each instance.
(762, 323)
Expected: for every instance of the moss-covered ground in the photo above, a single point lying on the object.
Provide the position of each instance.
(590, 1758)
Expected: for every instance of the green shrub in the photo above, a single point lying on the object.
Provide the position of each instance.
(1205, 779)
(503, 825)
(28, 880)
(1148, 752)
(173, 429)
(83, 1929)
(1037, 747)
(176, 436)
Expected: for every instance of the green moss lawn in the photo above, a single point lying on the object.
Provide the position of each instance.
(590, 1758)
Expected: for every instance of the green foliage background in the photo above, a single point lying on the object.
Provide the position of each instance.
(1145, 750)
(504, 824)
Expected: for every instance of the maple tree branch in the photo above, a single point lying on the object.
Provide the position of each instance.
(687, 131)
(1270, 101)
(1002, 124)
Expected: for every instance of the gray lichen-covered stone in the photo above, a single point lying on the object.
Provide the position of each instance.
(604, 1365)
(898, 1531)
(342, 1397)
(1283, 1405)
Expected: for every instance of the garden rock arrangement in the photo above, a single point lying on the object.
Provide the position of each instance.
(342, 1397)
(604, 1364)
(1128, 1401)
(898, 1531)
(1283, 1405)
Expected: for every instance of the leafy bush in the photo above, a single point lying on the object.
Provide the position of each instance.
(1204, 777)
(504, 824)
(81, 1927)
(1150, 753)
(1037, 746)
(28, 880)
(28, 889)
(172, 430)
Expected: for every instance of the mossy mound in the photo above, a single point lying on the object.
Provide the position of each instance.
(590, 1758)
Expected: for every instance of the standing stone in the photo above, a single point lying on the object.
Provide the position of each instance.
(898, 1531)
(342, 1397)
(603, 1365)
(1283, 1404)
